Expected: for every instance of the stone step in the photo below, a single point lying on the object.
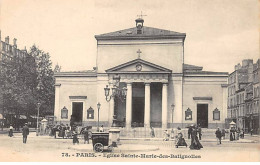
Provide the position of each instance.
(141, 132)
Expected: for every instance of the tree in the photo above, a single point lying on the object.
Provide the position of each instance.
(26, 81)
(45, 80)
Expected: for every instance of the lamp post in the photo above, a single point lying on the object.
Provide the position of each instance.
(38, 107)
(98, 106)
(117, 92)
(172, 132)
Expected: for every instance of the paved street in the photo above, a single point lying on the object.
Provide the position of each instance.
(45, 148)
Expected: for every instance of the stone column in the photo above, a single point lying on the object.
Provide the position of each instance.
(129, 105)
(57, 110)
(111, 111)
(164, 105)
(147, 105)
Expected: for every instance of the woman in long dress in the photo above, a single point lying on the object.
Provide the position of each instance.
(195, 143)
(180, 141)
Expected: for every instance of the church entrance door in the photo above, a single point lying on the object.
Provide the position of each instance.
(138, 112)
(202, 115)
(77, 112)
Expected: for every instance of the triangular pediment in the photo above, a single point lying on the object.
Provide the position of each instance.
(138, 66)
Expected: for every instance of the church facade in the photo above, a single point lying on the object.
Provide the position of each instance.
(155, 86)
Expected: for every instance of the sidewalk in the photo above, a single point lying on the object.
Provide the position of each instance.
(120, 148)
(203, 140)
(6, 130)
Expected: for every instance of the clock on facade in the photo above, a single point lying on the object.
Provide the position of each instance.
(138, 67)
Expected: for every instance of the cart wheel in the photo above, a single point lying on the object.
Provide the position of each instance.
(98, 147)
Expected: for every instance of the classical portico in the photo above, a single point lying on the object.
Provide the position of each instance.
(138, 76)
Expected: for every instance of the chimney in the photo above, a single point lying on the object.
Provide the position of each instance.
(14, 41)
(238, 66)
(7, 39)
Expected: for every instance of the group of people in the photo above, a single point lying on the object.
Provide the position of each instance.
(194, 133)
(25, 132)
(64, 131)
(235, 134)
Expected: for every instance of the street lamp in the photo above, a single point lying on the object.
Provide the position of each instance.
(172, 132)
(98, 106)
(38, 107)
(116, 91)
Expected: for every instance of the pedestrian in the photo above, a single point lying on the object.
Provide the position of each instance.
(75, 138)
(223, 133)
(63, 130)
(189, 132)
(232, 130)
(199, 131)
(152, 132)
(67, 131)
(11, 130)
(251, 131)
(180, 141)
(195, 143)
(166, 135)
(25, 133)
(243, 133)
(101, 129)
(218, 135)
(85, 132)
(238, 133)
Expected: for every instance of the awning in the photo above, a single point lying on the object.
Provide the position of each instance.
(22, 117)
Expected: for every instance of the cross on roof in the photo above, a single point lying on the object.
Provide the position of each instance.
(138, 51)
(141, 16)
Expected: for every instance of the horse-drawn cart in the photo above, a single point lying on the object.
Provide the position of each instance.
(100, 140)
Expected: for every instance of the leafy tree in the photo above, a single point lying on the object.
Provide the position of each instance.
(45, 80)
(25, 82)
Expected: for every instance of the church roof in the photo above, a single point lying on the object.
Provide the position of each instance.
(192, 67)
(197, 70)
(83, 73)
(148, 32)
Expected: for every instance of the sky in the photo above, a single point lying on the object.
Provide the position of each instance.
(219, 33)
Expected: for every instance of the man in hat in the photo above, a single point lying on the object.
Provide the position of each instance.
(218, 135)
(25, 132)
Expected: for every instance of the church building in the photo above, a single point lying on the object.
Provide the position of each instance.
(141, 80)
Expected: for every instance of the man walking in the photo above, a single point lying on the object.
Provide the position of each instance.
(25, 133)
(218, 135)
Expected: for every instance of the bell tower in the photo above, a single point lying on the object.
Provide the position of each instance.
(139, 23)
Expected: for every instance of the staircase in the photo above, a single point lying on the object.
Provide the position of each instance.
(141, 132)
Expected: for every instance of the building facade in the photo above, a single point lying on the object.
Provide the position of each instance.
(9, 51)
(162, 91)
(243, 96)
